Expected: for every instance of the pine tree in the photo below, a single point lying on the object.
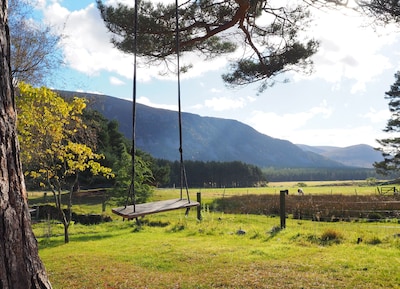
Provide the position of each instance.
(212, 28)
(20, 265)
(390, 147)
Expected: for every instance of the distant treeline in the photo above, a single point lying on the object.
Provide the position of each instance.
(319, 174)
(238, 174)
(216, 174)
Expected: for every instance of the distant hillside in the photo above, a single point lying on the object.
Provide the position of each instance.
(204, 138)
(356, 156)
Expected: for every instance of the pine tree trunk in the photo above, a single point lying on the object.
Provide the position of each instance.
(20, 265)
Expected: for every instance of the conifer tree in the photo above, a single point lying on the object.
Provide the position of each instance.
(390, 147)
(20, 265)
(212, 28)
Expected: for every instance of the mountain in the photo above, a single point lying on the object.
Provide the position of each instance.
(204, 138)
(356, 156)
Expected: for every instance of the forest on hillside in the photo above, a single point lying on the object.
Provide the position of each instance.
(238, 174)
(116, 149)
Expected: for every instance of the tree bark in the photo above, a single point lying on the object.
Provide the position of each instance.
(20, 265)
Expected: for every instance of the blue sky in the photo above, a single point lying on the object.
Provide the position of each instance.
(340, 104)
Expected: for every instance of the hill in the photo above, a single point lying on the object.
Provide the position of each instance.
(360, 155)
(204, 138)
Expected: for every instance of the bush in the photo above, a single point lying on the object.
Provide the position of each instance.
(374, 216)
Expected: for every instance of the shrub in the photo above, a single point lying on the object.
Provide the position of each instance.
(374, 216)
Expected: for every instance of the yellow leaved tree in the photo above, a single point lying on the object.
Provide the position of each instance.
(52, 151)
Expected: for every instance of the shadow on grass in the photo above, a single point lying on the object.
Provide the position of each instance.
(58, 240)
(273, 233)
(146, 222)
(55, 241)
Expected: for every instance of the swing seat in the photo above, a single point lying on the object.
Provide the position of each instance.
(139, 210)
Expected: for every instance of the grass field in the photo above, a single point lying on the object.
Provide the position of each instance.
(209, 194)
(170, 250)
(313, 188)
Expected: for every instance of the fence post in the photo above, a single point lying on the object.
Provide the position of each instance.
(199, 206)
(282, 210)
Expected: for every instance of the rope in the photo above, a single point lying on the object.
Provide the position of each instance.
(183, 177)
(131, 191)
(177, 48)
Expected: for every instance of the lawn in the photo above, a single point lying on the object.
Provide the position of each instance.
(170, 250)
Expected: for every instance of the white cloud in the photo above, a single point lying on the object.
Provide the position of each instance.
(86, 42)
(295, 127)
(90, 91)
(116, 81)
(348, 50)
(224, 103)
(287, 122)
(125, 2)
(273, 124)
(197, 107)
(144, 100)
(216, 90)
(87, 48)
(322, 110)
(377, 116)
(334, 137)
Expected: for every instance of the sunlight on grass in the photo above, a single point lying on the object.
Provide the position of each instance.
(223, 250)
(173, 251)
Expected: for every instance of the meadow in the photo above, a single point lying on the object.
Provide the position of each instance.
(170, 250)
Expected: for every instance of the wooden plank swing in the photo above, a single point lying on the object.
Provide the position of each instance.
(139, 210)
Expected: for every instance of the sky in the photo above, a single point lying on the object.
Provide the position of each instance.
(342, 103)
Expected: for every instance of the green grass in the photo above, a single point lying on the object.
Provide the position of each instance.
(313, 188)
(171, 251)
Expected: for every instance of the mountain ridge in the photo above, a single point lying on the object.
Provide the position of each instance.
(359, 155)
(212, 139)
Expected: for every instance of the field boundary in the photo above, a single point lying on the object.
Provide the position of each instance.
(317, 208)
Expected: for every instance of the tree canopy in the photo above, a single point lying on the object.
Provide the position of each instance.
(266, 35)
(263, 38)
(50, 149)
(390, 147)
(34, 46)
(105, 136)
(384, 11)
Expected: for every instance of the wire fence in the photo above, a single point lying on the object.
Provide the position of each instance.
(315, 207)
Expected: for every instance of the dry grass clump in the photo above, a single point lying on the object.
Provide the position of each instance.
(330, 236)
